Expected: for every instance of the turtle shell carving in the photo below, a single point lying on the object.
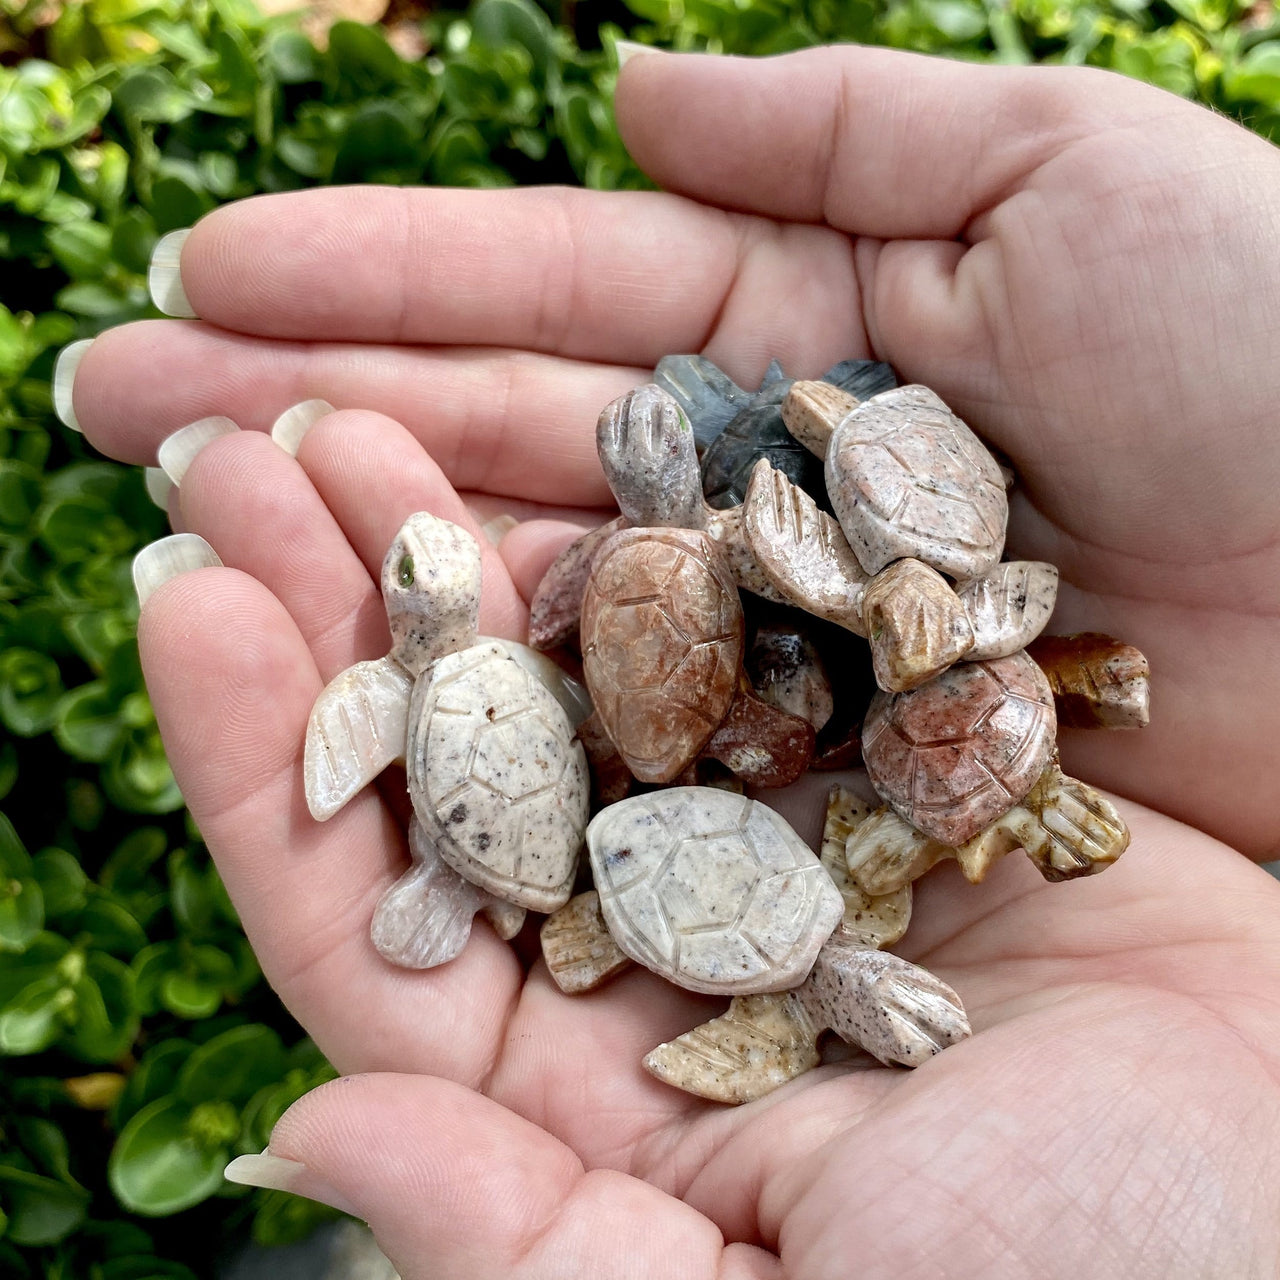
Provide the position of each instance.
(955, 754)
(662, 637)
(711, 890)
(496, 777)
(907, 478)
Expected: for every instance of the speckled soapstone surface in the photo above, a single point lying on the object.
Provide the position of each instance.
(895, 1010)
(1008, 606)
(907, 478)
(1098, 682)
(556, 607)
(662, 637)
(953, 755)
(802, 550)
(725, 529)
(580, 953)
(869, 920)
(425, 918)
(711, 890)
(496, 777)
(646, 447)
(786, 670)
(813, 410)
(431, 587)
(761, 744)
(916, 624)
(357, 727)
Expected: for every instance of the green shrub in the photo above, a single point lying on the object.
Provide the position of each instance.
(139, 1047)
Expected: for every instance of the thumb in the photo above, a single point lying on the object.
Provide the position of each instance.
(456, 1187)
(872, 141)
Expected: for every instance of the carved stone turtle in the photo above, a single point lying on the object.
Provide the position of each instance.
(953, 755)
(498, 783)
(715, 893)
(662, 637)
(907, 478)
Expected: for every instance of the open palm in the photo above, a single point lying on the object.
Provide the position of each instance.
(1085, 270)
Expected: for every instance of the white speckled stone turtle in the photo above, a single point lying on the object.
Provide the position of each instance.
(711, 890)
(716, 893)
(498, 783)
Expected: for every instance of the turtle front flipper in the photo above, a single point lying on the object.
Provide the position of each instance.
(759, 1044)
(895, 1010)
(760, 743)
(556, 607)
(424, 919)
(356, 729)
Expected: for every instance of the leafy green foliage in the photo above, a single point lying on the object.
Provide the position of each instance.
(139, 1048)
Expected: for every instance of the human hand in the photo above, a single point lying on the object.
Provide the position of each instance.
(1049, 250)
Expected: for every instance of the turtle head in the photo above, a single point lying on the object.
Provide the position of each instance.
(431, 586)
(650, 460)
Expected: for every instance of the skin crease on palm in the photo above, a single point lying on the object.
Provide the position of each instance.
(1086, 270)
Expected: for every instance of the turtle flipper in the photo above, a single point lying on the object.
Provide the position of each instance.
(885, 852)
(506, 918)
(759, 1044)
(1008, 606)
(871, 920)
(424, 919)
(895, 1010)
(357, 728)
(576, 944)
(556, 606)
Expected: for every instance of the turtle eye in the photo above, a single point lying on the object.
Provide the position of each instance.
(406, 571)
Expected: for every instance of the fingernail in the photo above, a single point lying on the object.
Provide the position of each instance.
(498, 528)
(275, 1173)
(164, 276)
(159, 486)
(64, 380)
(294, 423)
(178, 451)
(165, 558)
(628, 49)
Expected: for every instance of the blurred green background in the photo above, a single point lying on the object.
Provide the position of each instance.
(139, 1047)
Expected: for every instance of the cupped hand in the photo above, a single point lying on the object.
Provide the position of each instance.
(1085, 270)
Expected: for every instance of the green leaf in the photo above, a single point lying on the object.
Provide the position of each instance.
(31, 1022)
(153, 1078)
(292, 58)
(105, 1021)
(1256, 77)
(20, 488)
(232, 1066)
(110, 926)
(152, 95)
(87, 722)
(82, 248)
(14, 859)
(30, 686)
(41, 1211)
(21, 913)
(133, 236)
(157, 1168)
(501, 23)
(188, 996)
(62, 880)
(362, 60)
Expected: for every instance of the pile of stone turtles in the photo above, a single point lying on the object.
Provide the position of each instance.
(804, 577)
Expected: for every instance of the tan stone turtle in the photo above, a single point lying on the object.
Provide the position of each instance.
(498, 783)
(716, 893)
(1098, 682)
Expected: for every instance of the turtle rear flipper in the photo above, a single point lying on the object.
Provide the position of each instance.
(760, 1043)
(424, 919)
(895, 1010)
(356, 729)
(581, 954)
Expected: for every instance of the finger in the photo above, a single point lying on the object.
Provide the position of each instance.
(233, 683)
(257, 508)
(373, 475)
(872, 141)
(503, 421)
(611, 276)
(455, 1185)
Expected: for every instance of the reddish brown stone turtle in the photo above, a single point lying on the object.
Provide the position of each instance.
(953, 755)
(662, 644)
